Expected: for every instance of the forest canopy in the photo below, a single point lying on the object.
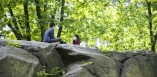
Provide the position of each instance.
(121, 24)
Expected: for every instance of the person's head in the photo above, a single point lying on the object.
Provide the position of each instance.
(76, 40)
(52, 24)
(76, 37)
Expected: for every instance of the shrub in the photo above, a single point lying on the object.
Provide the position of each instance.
(14, 44)
(54, 72)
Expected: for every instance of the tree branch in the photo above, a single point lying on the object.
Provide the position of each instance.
(16, 31)
(80, 2)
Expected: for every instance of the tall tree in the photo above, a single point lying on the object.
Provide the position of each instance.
(61, 18)
(28, 35)
(153, 36)
(38, 11)
(119, 23)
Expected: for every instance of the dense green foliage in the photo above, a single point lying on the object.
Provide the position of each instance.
(124, 24)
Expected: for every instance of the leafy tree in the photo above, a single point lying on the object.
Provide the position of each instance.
(153, 33)
(122, 24)
(25, 17)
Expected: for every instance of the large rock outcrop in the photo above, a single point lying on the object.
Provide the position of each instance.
(16, 62)
(95, 63)
(77, 61)
(46, 53)
(136, 64)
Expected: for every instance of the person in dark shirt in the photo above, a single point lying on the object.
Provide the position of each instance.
(49, 34)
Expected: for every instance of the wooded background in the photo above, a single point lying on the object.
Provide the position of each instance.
(123, 24)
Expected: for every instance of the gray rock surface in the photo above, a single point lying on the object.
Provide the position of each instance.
(138, 66)
(45, 52)
(2, 42)
(79, 71)
(137, 63)
(16, 62)
(77, 61)
(101, 66)
(119, 56)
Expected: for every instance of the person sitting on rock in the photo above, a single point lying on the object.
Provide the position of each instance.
(49, 35)
(76, 40)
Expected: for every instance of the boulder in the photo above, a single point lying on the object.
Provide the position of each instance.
(139, 52)
(152, 60)
(15, 62)
(118, 56)
(137, 63)
(98, 65)
(45, 52)
(79, 71)
(2, 42)
(77, 61)
(122, 56)
(140, 66)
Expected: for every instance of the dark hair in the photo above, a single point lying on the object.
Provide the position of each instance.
(77, 36)
(52, 24)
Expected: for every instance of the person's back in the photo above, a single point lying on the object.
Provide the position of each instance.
(49, 35)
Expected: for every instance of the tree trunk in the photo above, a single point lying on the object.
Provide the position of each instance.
(155, 38)
(28, 35)
(14, 28)
(152, 38)
(38, 11)
(61, 19)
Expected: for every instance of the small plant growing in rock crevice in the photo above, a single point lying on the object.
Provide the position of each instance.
(54, 72)
(87, 62)
(14, 44)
